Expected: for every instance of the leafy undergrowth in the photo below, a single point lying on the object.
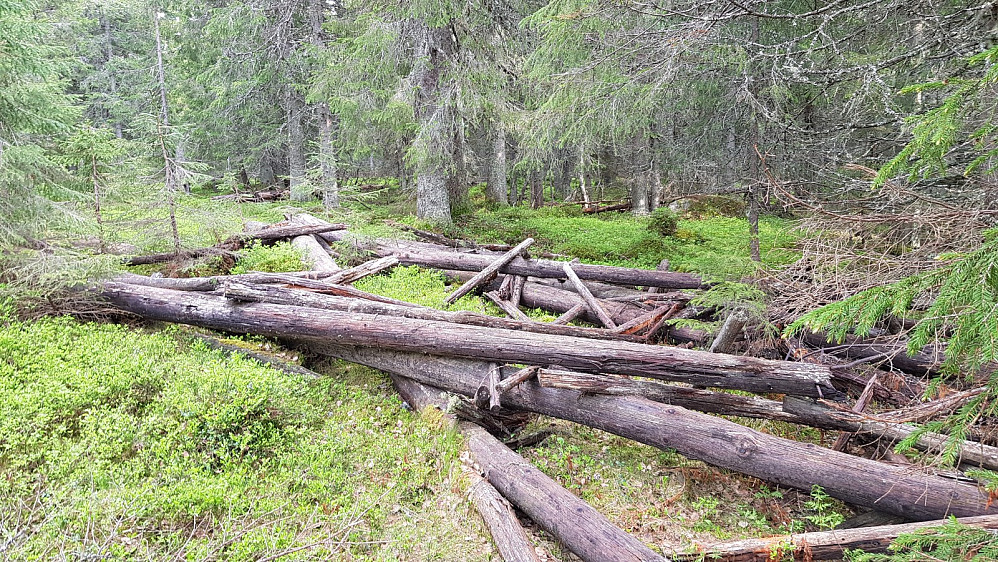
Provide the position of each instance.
(115, 444)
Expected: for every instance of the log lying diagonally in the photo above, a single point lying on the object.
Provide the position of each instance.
(903, 491)
(585, 531)
(444, 338)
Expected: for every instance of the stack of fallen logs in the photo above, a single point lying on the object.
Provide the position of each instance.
(607, 378)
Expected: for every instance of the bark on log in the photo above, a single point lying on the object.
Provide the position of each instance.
(547, 268)
(507, 532)
(825, 417)
(150, 259)
(457, 340)
(899, 490)
(296, 297)
(575, 523)
(581, 528)
(315, 253)
(708, 401)
(509, 308)
(591, 303)
(363, 270)
(825, 545)
(490, 272)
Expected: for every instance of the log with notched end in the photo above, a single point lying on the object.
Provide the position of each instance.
(899, 490)
(458, 340)
(824, 545)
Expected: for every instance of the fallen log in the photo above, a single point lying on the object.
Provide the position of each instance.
(892, 354)
(150, 259)
(586, 532)
(591, 303)
(546, 268)
(507, 533)
(294, 297)
(508, 307)
(315, 254)
(489, 273)
(459, 340)
(902, 491)
(363, 270)
(826, 417)
(708, 401)
(824, 545)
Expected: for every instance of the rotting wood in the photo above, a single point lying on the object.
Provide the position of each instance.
(894, 354)
(489, 273)
(460, 340)
(516, 291)
(587, 297)
(582, 529)
(487, 397)
(861, 403)
(824, 545)
(642, 322)
(904, 491)
(314, 299)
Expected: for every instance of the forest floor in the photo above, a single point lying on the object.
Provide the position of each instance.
(140, 443)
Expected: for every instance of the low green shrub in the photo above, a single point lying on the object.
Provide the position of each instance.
(663, 221)
(278, 258)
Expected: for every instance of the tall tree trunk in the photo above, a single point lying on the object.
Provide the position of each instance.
(296, 147)
(457, 181)
(536, 189)
(496, 188)
(752, 199)
(435, 47)
(328, 182)
(330, 187)
(164, 114)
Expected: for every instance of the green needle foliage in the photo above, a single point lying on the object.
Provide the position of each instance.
(952, 541)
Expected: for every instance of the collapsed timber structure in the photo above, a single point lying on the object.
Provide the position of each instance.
(609, 377)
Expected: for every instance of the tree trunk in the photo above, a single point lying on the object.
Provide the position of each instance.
(892, 489)
(434, 49)
(330, 187)
(296, 147)
(699, 368)
(496, 188)
(536, 190)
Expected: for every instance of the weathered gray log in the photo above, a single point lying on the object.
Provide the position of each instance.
(591, 303)
(363, 270)
(825, 417)
(724, 342)
(643, 322)
(904, 491)
(697, 399)
(296, 297)
(283, 231)
(516, 291)
(489, 273)
(824, 545)
(205, 284)
(662, 266)
(507, 532)
(586, 532)
(315, 253)
(460, 340)
(547, 268)
(509, 308)
(571, 314)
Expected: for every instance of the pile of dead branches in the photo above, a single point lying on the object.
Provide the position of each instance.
(608, 377)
